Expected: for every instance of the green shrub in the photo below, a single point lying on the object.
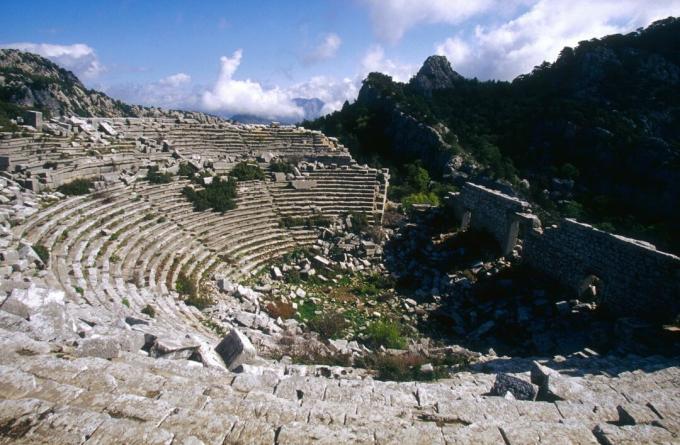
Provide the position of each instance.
(149, 310)
(244, 171)
(359, 222)
(385, 333)
(76, 187)
(125, 302)
(184, 285)
(155, 177)
(311, 222)
(79, 290)
(42, 252)
(281, 167)
(186, 170)
(218, 195)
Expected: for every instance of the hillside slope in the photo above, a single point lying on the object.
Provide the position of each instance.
(596, 133)
(31, 81)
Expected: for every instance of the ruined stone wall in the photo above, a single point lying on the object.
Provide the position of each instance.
(635, 278)
(492, 211)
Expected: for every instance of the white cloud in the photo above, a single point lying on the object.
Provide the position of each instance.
(175, 92)
(176, 80)
(326, 49)
(231, 96)
(374, 60)
(333, 92)
(392, 18)
(539, 34)
(79, 58)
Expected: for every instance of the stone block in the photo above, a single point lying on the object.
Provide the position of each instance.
(235, 349)
(520, 389)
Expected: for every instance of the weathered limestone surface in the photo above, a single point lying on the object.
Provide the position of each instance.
(95, 349)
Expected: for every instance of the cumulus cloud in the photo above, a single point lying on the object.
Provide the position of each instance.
(332, 92)
(392, 18)
(79, 58)
(176, 80)
(374, 60)
(175, 92)
(508, 49)
(326, 49)
(231, 96)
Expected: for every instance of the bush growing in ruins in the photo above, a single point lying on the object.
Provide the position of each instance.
(184, 285)
(244, 171)
(218, 195)
(76, 187)
(311, 222)
(328, 325)
(42, 252)
(155, 177)
(149, 310)
(281, 167)
(385, 333)
(359, 222)
(186, 169)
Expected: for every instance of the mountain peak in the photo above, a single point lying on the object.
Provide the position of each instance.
(436, 73)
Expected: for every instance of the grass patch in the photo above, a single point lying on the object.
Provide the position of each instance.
(385, 333)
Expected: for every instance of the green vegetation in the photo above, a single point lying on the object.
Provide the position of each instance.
(149, 310)
(218, 195)
(79, 290)
(310, 222)
(385, 333)
(125, 302)
(42, 252)
(155, 177)
(281, 167)
(243, 171)
(187, 170)
(76, 187)
(187, 288)
(555, 122)
(328, 325)
(359, 222)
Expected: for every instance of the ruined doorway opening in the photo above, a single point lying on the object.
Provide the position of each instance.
(465, 220)
(510, 238)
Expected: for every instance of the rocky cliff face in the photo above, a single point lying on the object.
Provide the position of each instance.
(30, 81)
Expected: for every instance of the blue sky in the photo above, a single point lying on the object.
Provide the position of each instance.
(254, 57)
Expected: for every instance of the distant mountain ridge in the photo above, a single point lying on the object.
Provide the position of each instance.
(594, 135)
(30, 81)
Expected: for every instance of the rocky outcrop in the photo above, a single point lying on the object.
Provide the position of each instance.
(435, 74)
